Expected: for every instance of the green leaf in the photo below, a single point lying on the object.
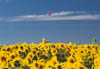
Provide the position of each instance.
(50, 54)
(25, 67)
(35, 57)
(23, 55)
(17, 63)
(11, 68)
(59, 67)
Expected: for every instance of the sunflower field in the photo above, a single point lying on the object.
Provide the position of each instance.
(50, 56)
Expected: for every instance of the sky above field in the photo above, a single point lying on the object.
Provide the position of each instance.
(70, 20)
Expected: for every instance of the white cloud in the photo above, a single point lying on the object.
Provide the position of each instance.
(63, 15)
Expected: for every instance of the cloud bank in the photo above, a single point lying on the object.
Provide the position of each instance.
(56, 16)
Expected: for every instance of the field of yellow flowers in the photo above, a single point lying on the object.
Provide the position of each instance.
(50, 56)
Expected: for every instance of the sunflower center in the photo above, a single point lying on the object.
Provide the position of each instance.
(30, 56)
(17, 64)
(26, 51)
(3, 58)
(12, 56)
(62, 45)
(72, 61)
(63, 55)
(16, 47)
(22, 47)
(9, 65)
(54, 51)
(29, 61)
(81, 51)
(81, 68)
(54, 63)
(90, 59)
(36, 64)
(8, 49)
(34, 52)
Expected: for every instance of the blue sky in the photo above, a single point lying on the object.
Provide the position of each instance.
(70, 20)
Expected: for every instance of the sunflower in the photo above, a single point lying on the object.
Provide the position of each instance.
(35, 65)
(12, 56)
(34, 51)
(17, 62)
(3, 58)
(63, 56)
(24, 44)
(22, 48)
(4, 48)
(46, 47)
(71, 59)
(54, 51)
(42, 63)
(48, 65)
(54, 62)
(80, 66)
(28, 60)
(90, 59)
(8, 49)
(63, 65)
(16, 47)
(30, 55)
(96, 61)
(1, 65)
